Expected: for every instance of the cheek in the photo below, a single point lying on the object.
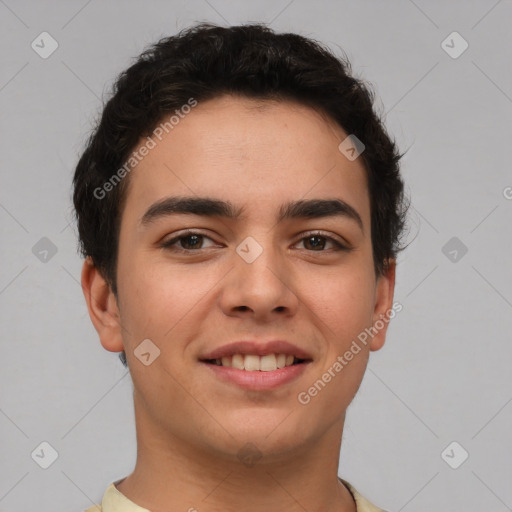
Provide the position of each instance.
(344, 304)
(160, 298)
(343, 309)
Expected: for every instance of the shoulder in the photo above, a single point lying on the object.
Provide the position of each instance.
(114, 501)
(362, 504)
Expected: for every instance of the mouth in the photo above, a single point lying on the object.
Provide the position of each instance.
(256, 363)
(257, 366)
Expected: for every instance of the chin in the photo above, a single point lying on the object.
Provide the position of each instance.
(271, 431)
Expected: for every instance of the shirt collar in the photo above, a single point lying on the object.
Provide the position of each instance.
(115, 501)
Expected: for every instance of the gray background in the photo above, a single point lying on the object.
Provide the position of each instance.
(444, 373)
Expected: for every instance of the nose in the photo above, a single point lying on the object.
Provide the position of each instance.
(262, 289)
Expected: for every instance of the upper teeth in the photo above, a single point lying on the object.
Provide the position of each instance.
(251, 362)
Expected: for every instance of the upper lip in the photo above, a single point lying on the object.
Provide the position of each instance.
(259, 348)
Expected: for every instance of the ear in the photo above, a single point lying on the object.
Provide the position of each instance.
(102, 306)
(384, 290)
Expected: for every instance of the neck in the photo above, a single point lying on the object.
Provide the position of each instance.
(173, 474)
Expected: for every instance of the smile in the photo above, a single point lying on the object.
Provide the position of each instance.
(252, 362)
(259, 373)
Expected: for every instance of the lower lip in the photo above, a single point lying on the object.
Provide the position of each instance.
(258, 380)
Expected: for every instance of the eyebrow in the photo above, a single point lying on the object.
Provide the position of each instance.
(209, 207)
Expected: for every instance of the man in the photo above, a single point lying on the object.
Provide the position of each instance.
(240, 208)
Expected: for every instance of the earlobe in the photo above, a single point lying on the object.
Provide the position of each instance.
(384, 292)
(102, 307)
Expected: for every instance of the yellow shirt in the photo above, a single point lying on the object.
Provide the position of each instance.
(114, 501)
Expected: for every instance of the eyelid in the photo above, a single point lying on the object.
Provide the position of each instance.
(340, 245)
(184, 234)
(325, 234)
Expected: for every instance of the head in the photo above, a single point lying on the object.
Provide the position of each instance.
(252, 121)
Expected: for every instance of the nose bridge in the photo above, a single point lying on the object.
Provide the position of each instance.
(258, 279)
(259, 258)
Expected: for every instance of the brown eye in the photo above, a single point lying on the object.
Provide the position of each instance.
(192, 241)
(317, 242)
(187, 242)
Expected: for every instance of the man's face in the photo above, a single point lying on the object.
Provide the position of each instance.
(210, 290)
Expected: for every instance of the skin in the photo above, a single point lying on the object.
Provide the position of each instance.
(190, 425)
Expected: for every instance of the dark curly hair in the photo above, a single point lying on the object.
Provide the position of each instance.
(207, 61)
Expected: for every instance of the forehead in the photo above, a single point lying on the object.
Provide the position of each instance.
(255, 153)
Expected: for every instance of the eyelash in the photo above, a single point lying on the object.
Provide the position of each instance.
(170, 244)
